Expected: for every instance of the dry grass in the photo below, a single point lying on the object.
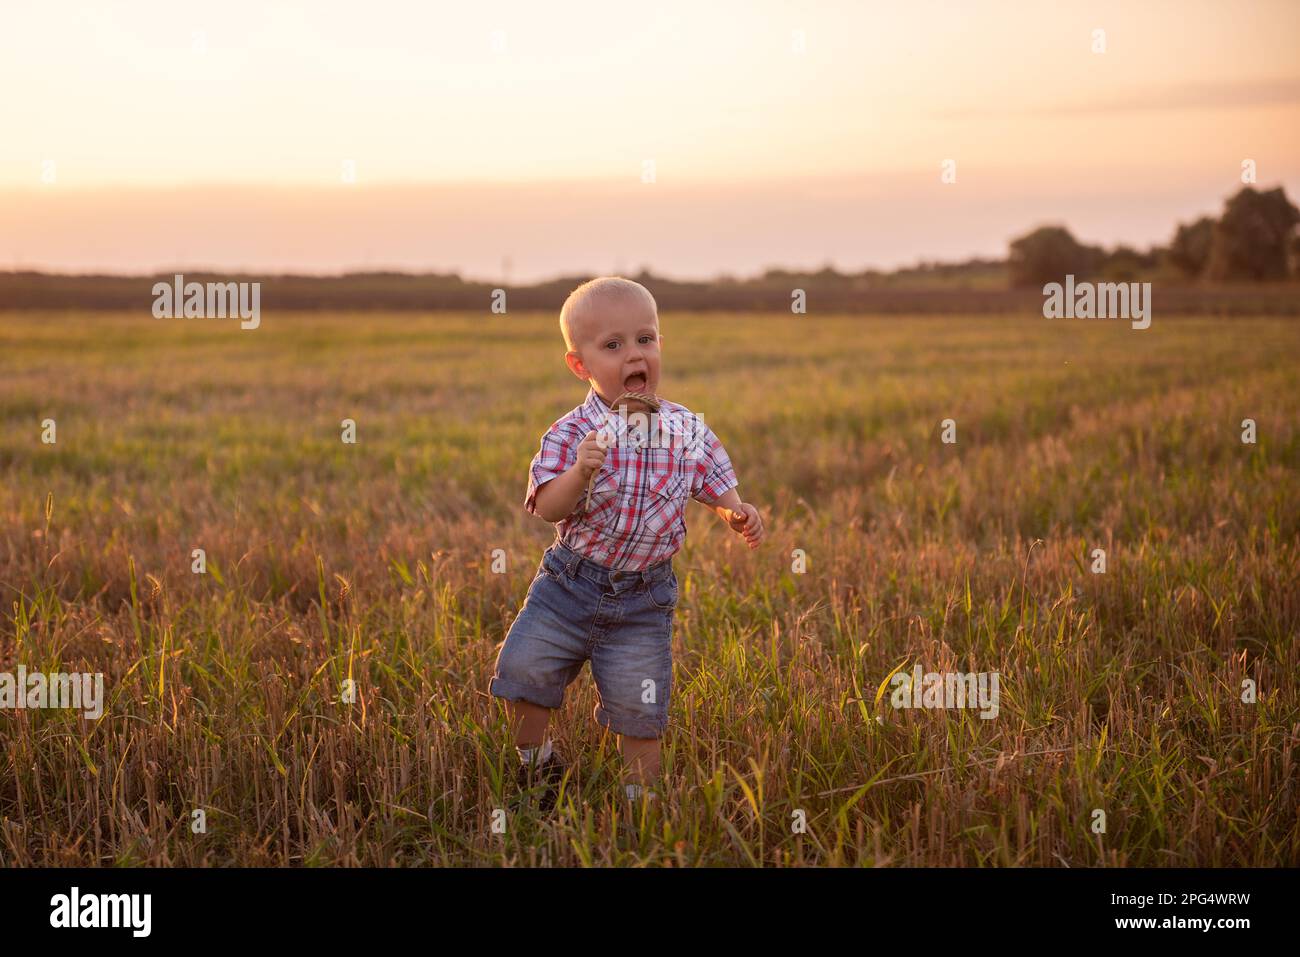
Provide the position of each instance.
(373, 561)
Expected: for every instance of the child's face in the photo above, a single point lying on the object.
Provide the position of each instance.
(617, 348)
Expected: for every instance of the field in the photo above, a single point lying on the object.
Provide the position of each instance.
(1121, 692)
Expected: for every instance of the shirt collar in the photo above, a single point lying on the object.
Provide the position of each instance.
(597, 413)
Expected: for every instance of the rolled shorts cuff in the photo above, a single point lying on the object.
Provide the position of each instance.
(633, 727)
(518, 691)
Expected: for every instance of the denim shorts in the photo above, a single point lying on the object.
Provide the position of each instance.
(622, 620)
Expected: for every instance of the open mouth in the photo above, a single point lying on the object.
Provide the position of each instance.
(636, 382)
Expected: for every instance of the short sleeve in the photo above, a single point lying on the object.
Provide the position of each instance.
(712, 475)
(558, 451)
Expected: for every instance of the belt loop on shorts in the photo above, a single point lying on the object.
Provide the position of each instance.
(657, 571)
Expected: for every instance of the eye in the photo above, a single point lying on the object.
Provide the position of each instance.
(647, 339)
(613, 343)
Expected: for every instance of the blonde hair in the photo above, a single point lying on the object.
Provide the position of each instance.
(601, 288)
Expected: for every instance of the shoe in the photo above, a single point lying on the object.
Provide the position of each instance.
(548, 775)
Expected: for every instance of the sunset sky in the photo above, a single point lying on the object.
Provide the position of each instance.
(150, 135)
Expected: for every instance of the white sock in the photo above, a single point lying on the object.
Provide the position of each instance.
(636, 791)
(536, 754)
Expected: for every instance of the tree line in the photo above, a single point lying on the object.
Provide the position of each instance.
(1214, 266)
(1254, 240)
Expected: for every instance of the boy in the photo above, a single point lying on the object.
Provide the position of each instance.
(606, 589)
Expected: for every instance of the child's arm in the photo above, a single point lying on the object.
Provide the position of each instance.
(741, 516)
(714, 485)
(555, 500)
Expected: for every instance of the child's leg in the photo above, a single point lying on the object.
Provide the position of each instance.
(528, 721)
(641, 758)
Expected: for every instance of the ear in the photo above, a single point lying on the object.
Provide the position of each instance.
(576, 366)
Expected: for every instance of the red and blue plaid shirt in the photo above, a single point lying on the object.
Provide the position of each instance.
(653, 465)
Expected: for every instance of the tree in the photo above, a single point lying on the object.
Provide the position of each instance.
(1190, 251)
(1124, 264)
(1252, 240)
(1048, 254)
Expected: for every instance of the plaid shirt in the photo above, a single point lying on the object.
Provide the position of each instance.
(638, 498)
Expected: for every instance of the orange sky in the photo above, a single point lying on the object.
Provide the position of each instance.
(146, 135)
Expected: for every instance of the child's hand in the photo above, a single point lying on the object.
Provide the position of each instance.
(746, 521)
(591, 454)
